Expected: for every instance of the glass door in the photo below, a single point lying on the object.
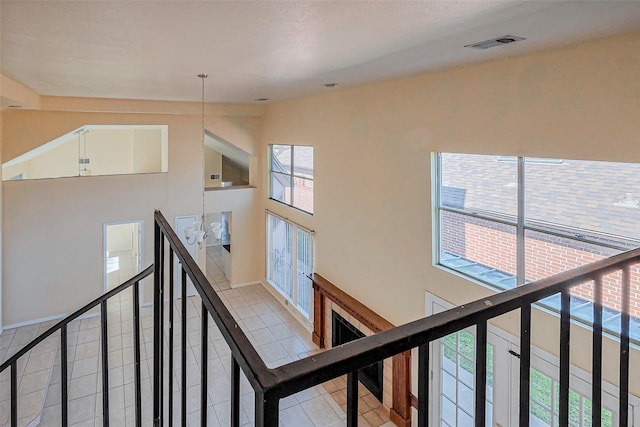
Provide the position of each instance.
(453, 377)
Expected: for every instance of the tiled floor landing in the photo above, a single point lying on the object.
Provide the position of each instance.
(277, 336)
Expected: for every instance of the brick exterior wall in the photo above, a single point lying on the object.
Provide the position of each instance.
(303, 192)
(494, 245)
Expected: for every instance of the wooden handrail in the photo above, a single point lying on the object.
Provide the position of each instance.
(364, 314)
(302, 374)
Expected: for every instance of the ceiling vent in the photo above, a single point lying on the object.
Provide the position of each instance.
(499, 41)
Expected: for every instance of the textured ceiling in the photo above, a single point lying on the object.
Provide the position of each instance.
(272, 49)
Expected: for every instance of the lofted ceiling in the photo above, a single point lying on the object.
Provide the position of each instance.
(272, 49)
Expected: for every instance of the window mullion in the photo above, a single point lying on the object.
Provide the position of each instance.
(291, 177)
(270, 177)
(294, 264)
(520, 247)
(269, 247)
(436, 202)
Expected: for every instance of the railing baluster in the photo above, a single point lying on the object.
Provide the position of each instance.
(235, 392)
(266, 411)
(352, 399)
(157, 329)
(481, 373)
(596, 380)
(565, 329)
(204, 343)
(136, 350)
(64, 400)
(14, 394)
(525, 363)
(423, 385)
(105, 364)
(161, 336)
(171, 284)
(624, 347)
(184, 348)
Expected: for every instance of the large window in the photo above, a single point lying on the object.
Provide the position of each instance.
(291, 175)
(290, 261)
(507, 221)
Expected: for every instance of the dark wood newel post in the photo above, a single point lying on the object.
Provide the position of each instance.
(318, 316)
(400, 413)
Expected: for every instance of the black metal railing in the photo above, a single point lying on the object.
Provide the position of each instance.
(272, 384)
(12, 362)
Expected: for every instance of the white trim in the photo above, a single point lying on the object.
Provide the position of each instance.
(243, 284)
(36, 321)
(287, 220)
(435, 205)
(293, 299)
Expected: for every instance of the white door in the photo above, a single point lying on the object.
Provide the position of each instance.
(122, 252)
(544, 394)
(452, 382)
(453, 376)
(183, 222)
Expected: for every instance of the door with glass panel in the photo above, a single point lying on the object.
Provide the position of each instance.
(452, 383)
(545, 392)
(453, 377)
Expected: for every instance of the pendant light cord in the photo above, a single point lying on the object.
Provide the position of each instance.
(202, 220)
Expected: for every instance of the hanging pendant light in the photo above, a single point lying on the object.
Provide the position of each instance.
(198, 232)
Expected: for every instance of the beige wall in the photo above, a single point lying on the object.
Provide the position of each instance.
(372, 149)
(213, 165)
(61, 161)
(53, 233)
(147, 150)
(13, 171)
(110, 151)
(246, 229)
(234, 173)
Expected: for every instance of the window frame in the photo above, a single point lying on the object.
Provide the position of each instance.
(519, 222)
(521, 226)
(294, 299)
(292, 175)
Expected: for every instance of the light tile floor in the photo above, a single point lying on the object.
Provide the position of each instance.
(121, 266)
(33, 372)
(277, 336)
(215, 268)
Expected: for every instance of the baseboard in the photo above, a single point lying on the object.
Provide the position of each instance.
(33, 322)
(89, 315)
(243, 284)
(398, 420)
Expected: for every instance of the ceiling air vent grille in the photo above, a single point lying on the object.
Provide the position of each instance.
(499, 41)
